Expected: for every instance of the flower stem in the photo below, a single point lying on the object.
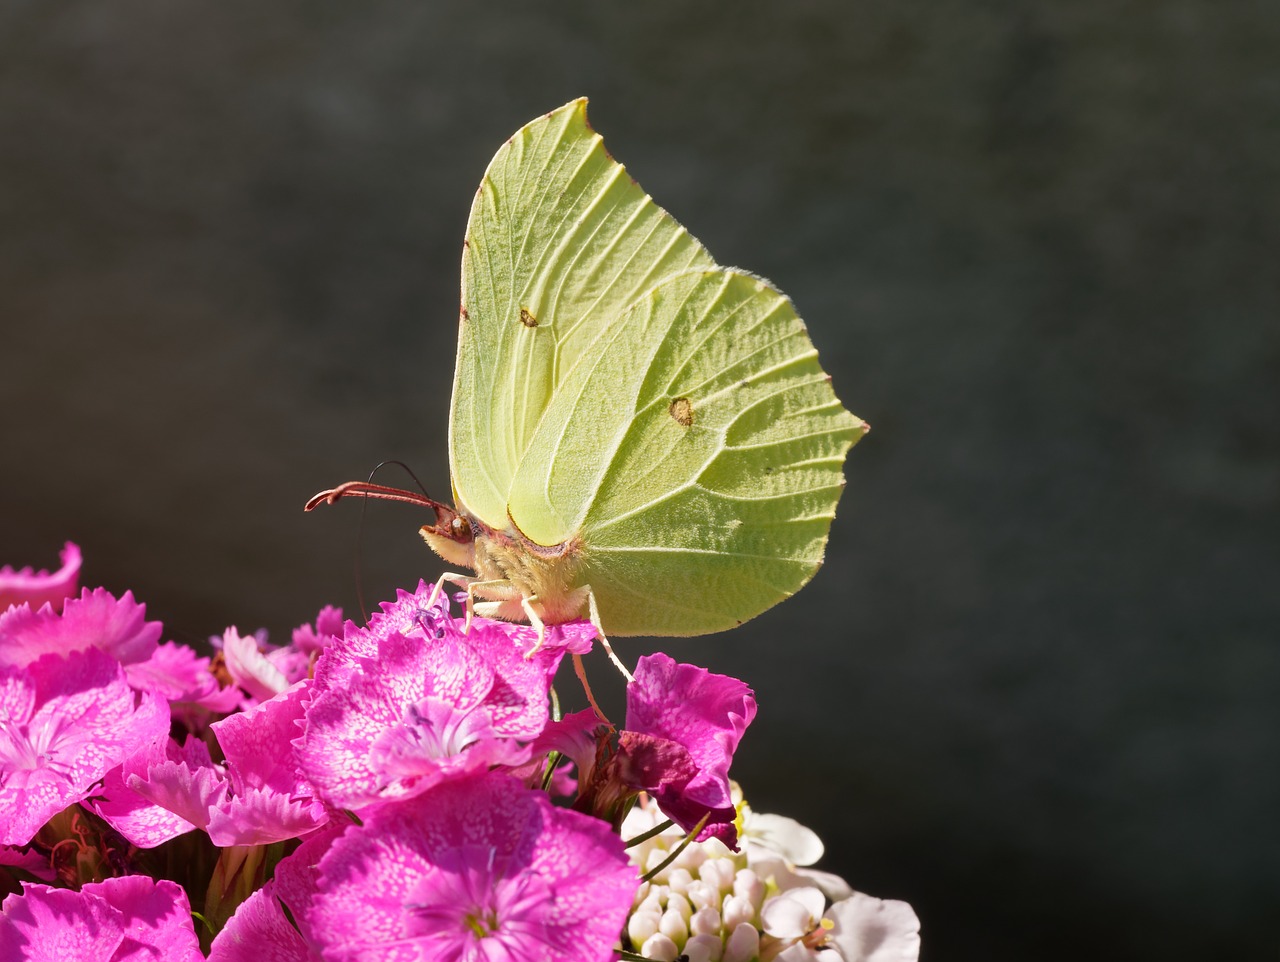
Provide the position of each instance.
(645, 836)
(675, 853)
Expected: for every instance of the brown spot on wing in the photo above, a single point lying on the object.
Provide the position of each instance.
(682, 410)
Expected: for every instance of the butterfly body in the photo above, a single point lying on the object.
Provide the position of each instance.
(509, 568)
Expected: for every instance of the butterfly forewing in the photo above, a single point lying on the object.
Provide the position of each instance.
(559, 243)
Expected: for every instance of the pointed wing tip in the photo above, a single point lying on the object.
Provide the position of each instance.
(578, 105)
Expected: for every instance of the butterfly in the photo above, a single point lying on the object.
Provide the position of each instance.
(637, 434)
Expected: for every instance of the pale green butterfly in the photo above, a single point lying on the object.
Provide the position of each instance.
(637, 434)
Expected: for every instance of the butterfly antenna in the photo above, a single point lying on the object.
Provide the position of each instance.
(368, 489)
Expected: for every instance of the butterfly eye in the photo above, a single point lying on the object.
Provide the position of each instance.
(461, 528)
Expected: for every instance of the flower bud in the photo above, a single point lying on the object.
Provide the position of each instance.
(642, 925)
(660, 949)
(719, 872)
(747, 885)
(679, 880)
(674, 926)
(742, 946)
(654, 902)
(705, 921)
(704, 948)
(704, 895)
(736, 911)
(681, 904)
(693, 857)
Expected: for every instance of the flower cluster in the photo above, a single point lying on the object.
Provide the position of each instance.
(402, 789)
(707, 903)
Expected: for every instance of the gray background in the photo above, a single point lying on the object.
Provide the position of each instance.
(1034, 690)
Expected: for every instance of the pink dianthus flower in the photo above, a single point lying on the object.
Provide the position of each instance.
(479, 869)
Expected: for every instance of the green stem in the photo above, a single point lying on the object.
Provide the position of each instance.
(645, 836)
(684, 843)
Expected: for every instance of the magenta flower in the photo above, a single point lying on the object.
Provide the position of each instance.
(96, 619)
(410, 614)
(313, 639)
(479, 869)
(256, 798)
(396, 711)
(127, 919)
(269, 800)
(683, 726)
(160, 792)
(260, 930)
(64, 723)
(38, 588)
(250, 667)
(32, 862)
(185, 679)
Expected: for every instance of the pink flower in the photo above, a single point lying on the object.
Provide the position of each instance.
(262, 670)
(38, 588)
(269, 800)
(395, 712)
(256, 798)
(683, 726)
(410, 614)
(185, 679)
(64, 723)
(94, 620)
(33, 862)
(160, 792)
(250, 667)
(261, 931)
(313, 639)
(479, 869)
(128, 919)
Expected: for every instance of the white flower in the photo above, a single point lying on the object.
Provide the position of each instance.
(857, 929)
(868, 929)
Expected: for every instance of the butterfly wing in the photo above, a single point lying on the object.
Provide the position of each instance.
(560, 241)
(696, 452)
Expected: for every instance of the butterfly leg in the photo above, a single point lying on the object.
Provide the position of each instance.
(593, 611)
(484, 588)
(526, 605)
(453, 578)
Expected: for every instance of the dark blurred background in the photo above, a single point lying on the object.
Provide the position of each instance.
(1036, 688)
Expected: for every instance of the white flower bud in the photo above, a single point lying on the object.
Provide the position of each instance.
(748, 885)
(681, 904)
(742, 946)
(705, 921)
(674, 926)
(719, 872)
(642, 925)
(660, 949)
(704, 948)
(704, 895)
(655, 901)
(693, 857)
(737, 910)
(679, 879)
